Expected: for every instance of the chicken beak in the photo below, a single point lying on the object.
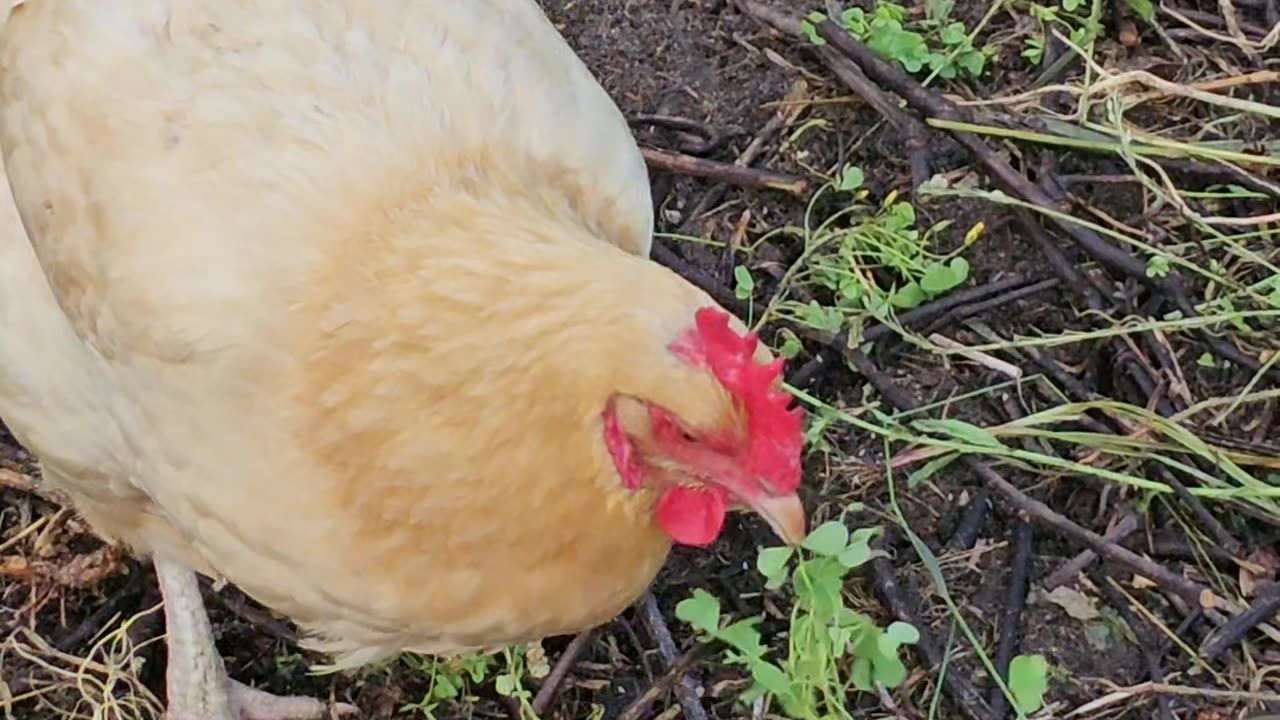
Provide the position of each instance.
(785, 514)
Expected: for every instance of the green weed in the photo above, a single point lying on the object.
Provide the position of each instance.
(938, 43)
(1079, 28)
(453, 680)
(448, 680)
(832, 649)
(865, 261)
(1028, 680)
(289, 663)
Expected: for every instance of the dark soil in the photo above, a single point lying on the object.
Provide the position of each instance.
(704, 61)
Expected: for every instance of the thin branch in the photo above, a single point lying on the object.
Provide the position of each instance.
(687, 690)
(739, 175)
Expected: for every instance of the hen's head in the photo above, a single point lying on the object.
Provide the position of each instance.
(720, 436)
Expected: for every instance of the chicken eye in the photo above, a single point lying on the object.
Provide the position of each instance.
(688, 436)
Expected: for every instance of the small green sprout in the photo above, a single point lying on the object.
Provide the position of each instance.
(851, 178)
(1158, 266)
(1144, 9)
(790, 345)
(832, 649)
(450, 680)
(1028, 680)
(744, 284)
(1079, 28)
(937, 43)
(508, 683)
(290, 663)
(1033, 49)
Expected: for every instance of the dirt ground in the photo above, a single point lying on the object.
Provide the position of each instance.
(704, 61)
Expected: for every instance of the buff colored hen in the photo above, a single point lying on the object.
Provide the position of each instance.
(348, 302)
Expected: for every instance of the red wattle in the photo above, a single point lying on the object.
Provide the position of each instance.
(691, 516)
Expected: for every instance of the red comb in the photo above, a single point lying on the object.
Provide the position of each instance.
(775, 434)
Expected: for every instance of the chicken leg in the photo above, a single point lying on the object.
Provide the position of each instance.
(197, 682)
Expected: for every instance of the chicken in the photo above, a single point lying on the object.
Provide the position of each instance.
(349, 303)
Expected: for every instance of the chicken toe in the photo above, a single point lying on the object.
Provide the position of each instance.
(258, 705)
(197, 682)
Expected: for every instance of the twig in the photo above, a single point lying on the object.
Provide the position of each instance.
(1181, 549)
(953, 301)
(239, 606)
(1233, 24)
(1015, 183)
(713, 287)
(967, 311)
(804, 375)
(681, 164)
(1192, 18)
(1066, 574)
(1208, 173)
(1058, 262)
(984, 359)
(1011, 613)
(1151, 392)
(962, 691)
(782, 22)
(1146, 378)
(128, 595)
(1263, 608)
(23, 483)
(753, 150)
(935, 106)
(1158, 347)
(555, 679)
(687, 689)
(1127, 694)
(1149, 657)
(710, 139)
(1206, 519)
(834, 344)
(16, 481)
(1065, 380)
(640, 705)
(915, 134)
(511, 706)
(975, 514)
(1193, 594)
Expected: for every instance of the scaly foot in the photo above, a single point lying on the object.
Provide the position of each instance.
(248, 703)
(197, 682)
(258, 705)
